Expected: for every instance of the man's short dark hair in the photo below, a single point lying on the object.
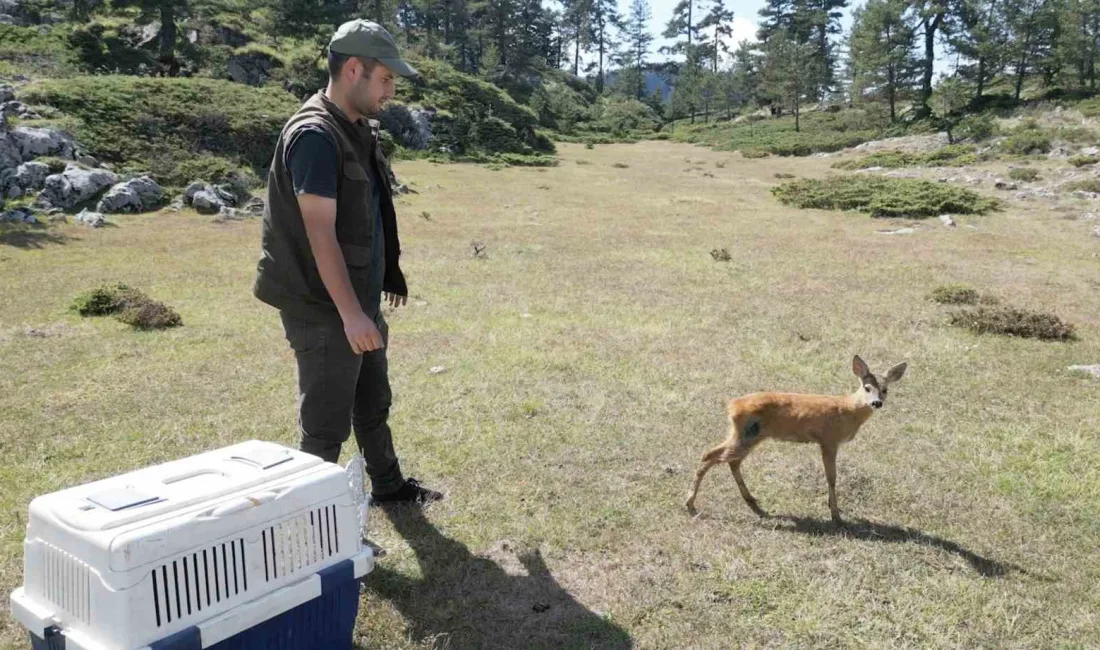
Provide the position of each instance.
(336, 63)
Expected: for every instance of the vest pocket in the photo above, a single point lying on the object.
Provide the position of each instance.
(356, 256)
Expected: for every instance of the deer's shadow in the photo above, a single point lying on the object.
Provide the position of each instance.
(474, 603)
(870, 531)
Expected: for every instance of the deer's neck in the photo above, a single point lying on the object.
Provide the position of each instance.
(857, 407)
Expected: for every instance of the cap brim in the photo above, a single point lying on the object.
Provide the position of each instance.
(399, 67)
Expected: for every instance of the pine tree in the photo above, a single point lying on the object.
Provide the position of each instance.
(639, 40)
(606, 23)
(881, 50)
(720, 21)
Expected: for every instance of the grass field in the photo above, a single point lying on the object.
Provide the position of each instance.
(588, 355)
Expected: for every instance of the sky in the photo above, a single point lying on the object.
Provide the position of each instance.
(746, 15)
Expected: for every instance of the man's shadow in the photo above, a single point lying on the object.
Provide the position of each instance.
(474, 603)
(869, 531)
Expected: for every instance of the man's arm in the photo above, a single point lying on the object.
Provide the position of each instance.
(319, 217)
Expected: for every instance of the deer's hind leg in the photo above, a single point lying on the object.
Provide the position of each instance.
(733, 451)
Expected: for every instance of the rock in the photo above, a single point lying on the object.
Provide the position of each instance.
(1088, 196)
(7, 93)
(898, 231)
(1088, 216)
(176, 205)
(410, 127)
(18, 215)
(226, 213)
(75, 185)
(1093, 370)
(35, 143)
(1004, 185)
(254, 207)
(140, 194)
(15, 192)
(1090, 151)
(87, 161)
(192, 189)
(1096, 231)
(59, 218)
(90, 219)
(437, 370)
(226, 192)
(207, 202)
(947, 220)
(31, 176)
(253, 68)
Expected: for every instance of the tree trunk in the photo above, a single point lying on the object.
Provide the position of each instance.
(981, 77)
(167, 52)
(931, 24)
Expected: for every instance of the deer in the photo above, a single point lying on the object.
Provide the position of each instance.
(828, 420)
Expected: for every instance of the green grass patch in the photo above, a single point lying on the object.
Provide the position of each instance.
(819, 133)
(170, 128)
(1083, 161)
(949, 156)
(1025, 174)
(883, 197)
(1010, 321)
(1084, 185)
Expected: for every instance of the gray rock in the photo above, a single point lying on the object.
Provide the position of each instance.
(31, 176)
(1004, 185)
(192, 189)
(75, 185)
(87, 160)
(947, 220)
(15, 192)
(255, 206)
(252, 69)
(59, 218)
(140, 194)
(7, 93)
(898, 231)
(35, 143)
(1093, 370)
(1096, 231)
(18, 215)
(207, 202)
(90, 219)
(227, 213)
(226, 193)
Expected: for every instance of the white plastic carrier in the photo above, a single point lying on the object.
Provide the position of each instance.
(220, 541)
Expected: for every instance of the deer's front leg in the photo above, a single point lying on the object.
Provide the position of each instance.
(828, 455)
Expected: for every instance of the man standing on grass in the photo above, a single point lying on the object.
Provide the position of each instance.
(330, 256)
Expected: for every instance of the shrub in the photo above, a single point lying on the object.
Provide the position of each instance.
(1083, 161)
(1085, 185)
(1010, 321)
(150, 316)
(883, 197)
(975, 128)
(954, 294)
(1025, 174)
(106, 300)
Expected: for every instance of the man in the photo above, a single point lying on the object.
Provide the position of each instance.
(330, 256)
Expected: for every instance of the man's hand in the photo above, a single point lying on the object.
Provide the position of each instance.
(395, 300)
(362, 333)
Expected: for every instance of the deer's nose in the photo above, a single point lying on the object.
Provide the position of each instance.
(877, 404)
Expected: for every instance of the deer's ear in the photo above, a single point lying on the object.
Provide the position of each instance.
(896, 373)
(859, 369)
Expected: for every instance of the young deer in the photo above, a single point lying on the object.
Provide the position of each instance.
(825, 419)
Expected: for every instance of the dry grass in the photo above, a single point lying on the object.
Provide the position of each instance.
(588, 360)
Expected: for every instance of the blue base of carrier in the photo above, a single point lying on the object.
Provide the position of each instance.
(324, 623)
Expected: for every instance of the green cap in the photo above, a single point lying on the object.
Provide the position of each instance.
(370, 40)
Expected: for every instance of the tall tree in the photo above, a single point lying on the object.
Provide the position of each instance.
(577, 16)
(980, 39)
(638, 40)
(606, 24)
(1031, 28)
(681, 25)
(881, 50)
(720, 20)
(791, 73)
(933, 17)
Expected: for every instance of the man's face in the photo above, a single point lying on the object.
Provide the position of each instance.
(371, 91)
